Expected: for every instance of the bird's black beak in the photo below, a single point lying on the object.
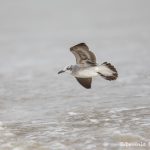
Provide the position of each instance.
(61, 71)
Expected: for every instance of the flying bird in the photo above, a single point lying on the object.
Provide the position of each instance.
(86, 66)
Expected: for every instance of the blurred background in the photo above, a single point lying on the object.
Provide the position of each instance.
(43, 111)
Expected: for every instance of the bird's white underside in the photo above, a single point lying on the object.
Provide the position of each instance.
(88, 72)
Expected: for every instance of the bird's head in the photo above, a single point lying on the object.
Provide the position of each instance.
(66, 69)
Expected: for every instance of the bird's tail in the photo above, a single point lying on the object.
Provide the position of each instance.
(108, 71)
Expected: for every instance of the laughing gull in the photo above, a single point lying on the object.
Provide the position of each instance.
(86, 66)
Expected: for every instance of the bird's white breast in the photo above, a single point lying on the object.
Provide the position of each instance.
(87, 72)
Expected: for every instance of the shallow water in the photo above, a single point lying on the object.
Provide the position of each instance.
(40, 110)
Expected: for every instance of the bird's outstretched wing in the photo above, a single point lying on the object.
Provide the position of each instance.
(85, 82)
(83, 55)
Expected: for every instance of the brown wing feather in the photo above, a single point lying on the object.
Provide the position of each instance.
(85, 82)
(83, 55)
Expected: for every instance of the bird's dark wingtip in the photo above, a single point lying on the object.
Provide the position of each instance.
(80, 44)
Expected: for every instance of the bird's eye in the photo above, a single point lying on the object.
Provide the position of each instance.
(69, 68)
